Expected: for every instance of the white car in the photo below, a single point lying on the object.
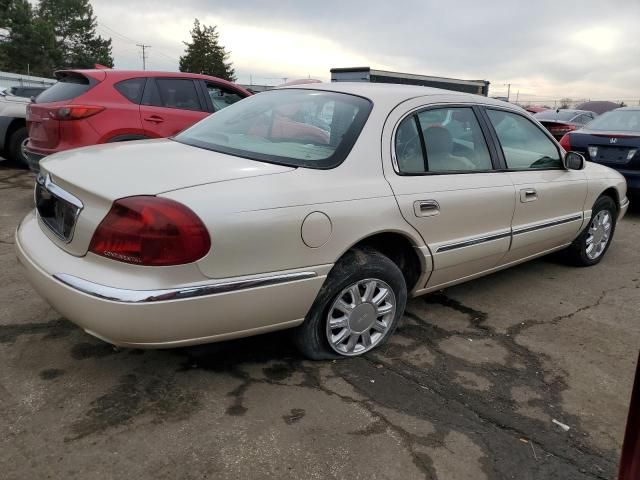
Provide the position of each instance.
(318, 208)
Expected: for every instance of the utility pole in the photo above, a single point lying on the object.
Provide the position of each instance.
(508, 91)
(144, 54)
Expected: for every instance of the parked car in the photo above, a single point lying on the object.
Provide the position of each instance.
(612, 139)
(23, 91)
(88, 107)
(561, 121)
(320, 207)
(13, 128)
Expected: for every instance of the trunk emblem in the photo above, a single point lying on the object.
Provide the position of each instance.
(613, 140)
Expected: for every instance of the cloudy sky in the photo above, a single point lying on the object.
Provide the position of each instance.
(544, 49)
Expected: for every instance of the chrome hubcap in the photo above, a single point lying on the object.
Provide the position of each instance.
(23, 147)
(599, 234)
(360, 316)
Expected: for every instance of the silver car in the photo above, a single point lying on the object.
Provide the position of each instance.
(318, 208)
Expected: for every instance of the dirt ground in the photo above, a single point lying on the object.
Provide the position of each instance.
(467, 389)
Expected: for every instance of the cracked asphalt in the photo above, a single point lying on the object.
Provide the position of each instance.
(468, 388)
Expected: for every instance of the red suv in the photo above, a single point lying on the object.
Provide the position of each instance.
(86, 107)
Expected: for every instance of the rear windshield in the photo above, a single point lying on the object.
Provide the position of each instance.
(67, 87)
(562, 115)
(296, 127)
(618, 120)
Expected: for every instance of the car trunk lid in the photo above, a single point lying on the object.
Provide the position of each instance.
(96, 176)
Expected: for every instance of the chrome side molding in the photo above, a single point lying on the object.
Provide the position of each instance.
(151, 296)
(553, 223)
(506, 234)
(474, 241)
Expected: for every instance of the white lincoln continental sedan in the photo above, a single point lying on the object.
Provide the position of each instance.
(319, 208)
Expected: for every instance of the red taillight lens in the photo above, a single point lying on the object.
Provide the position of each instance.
(151, 231)
(74, 112)
(565, 142)
(562, 130)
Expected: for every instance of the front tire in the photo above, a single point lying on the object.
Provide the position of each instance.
(594, 241)
(357, 309)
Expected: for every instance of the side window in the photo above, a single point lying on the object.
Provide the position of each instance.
(177, 93)
(131, 89)
(442, 140)
(524, 145)
(221, 97)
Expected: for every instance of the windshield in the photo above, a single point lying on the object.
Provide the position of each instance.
(618, 121)
(562, 115)
(297, 127)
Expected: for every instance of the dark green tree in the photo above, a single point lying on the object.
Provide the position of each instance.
(204, 54)
(74, 27)
(29, 45)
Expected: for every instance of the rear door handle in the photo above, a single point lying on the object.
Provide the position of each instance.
(154, 119)
(528, 195)
(426, 208)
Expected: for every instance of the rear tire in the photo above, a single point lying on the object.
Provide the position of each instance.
(15, 151)
(362, 300)
(594, 241)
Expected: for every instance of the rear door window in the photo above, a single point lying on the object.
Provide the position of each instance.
(178, 93)
(67, 87)
(131, 89)
(442, 140)
(523, 144)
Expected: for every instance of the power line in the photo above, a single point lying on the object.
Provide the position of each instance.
(129, 39)
(144, 54)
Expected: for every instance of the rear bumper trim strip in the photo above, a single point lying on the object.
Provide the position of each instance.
(151, 296)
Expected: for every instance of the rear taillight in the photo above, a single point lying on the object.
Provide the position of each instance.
(565, 142)
(74, 112)
(151, 231)
(562, 129)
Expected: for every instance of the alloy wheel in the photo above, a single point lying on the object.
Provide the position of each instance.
(599, 234)
(360, 316)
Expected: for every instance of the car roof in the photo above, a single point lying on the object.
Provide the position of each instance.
(397, 93)
(116, 75)
(628, 109)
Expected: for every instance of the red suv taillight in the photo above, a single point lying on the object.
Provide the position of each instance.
(74, 112)
(151, 231)
(565, 142)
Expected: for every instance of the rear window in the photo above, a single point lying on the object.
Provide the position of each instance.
(67, 87)
(131, 89)
(618, 120)
(296, 127)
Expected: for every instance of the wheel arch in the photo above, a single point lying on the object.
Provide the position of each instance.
(15, 124)
(400, 248)
(612, 192)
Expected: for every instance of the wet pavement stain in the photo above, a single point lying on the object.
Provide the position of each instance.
(85, 350)
(53, 329)
(51, 373)
(296, 415)
(134, 396)
(278, 372)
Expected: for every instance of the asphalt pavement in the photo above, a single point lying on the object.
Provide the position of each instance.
(524, 374)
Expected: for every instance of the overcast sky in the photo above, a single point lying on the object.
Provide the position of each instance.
(545, 49)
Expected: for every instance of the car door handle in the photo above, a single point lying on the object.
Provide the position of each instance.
(528, 195)
(154, 119)
(426, 208)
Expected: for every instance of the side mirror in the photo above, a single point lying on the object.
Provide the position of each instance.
(574, 161)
